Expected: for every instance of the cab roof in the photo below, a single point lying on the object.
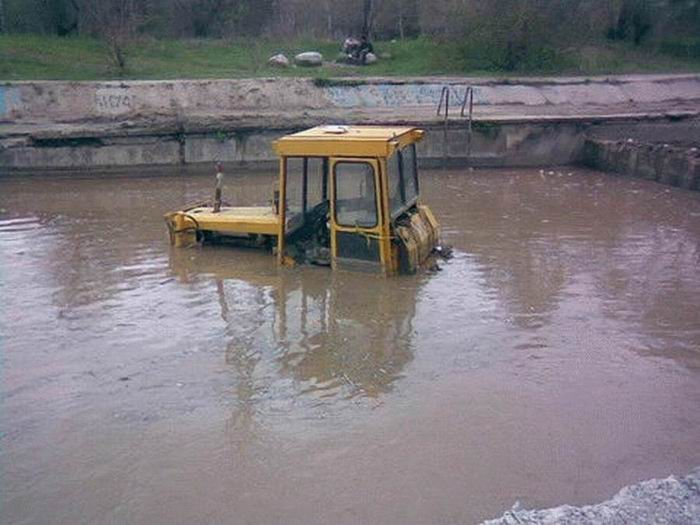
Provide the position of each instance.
(347, 141)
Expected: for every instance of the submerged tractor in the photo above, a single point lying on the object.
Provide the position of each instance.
(348, 197)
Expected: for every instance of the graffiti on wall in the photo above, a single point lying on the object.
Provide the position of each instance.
(114, 101)
(394, 95)
(3, 107)
(9, 101)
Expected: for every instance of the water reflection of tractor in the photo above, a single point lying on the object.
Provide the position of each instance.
(330, 332)
(349, 196)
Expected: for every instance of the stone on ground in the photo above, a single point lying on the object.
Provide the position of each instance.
(309, 59)
(278, 60)
(370, 59)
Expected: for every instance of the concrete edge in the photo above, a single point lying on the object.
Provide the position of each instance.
(390, 80)
(250, 123)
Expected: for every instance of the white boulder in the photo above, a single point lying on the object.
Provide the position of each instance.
(309, 59)
(278, 60)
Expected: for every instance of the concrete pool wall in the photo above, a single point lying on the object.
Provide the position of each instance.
(497, 144)
(517, 122)
(80, 101)
(674, 165)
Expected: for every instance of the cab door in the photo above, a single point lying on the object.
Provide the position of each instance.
(357, 224)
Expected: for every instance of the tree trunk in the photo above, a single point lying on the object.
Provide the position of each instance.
(116, 48)
(329, 19)
(367, 18)
(615, 12)
(2, 16)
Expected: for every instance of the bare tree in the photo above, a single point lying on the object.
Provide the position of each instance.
(329, 17)
(367, 18)
(116, 21)
(402, 29)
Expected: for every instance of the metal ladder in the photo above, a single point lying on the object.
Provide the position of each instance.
(466, 111)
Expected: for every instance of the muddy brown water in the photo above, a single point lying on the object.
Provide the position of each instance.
(555, 359)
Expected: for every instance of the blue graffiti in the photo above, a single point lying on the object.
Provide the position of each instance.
(3, 105)
(393, 95)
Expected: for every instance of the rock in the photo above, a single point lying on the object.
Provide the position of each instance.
(278, 60)
(673, 500)
(370, 59)
(309, 59)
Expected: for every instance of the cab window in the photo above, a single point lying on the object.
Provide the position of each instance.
(355, 195)
(305, 186)
(316, 169)
(410, 172)
(397, 196)
(402, 176)
(294, 182)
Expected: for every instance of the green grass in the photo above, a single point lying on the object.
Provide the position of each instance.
(32, 57)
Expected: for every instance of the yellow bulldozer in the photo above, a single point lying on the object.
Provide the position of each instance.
(348, 197)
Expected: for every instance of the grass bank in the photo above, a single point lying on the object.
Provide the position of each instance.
(32, 57)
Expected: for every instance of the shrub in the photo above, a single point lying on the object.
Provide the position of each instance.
(681, 47)
(518, 38)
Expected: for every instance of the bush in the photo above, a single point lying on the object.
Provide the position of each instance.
(634, 22)
(518, 39)
(681, 47)
(489, 54)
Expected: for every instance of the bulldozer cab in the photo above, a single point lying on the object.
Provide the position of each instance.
(348, 197)
(359, 182)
